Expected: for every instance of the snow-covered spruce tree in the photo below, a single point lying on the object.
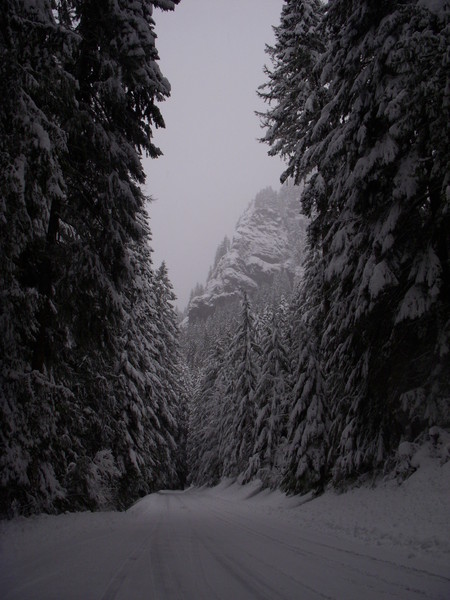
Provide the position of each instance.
(240, 407)
(271, 399)
(186, 386)
(306, 456)
(85, 85)
(293, 89)
(36, 91)
(118, 85)
(207, 420)
(138, 436)
(124, 303)
(378, 195)
(168, 388)
(195, 427)
(222, 249)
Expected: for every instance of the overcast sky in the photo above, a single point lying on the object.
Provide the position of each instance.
(212, 52)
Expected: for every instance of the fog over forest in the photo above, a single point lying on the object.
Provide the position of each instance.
(212, 164)
(288, 434)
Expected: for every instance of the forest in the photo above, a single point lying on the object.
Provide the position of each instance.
(330, 380)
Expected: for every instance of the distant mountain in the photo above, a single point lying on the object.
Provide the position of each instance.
(267, 247)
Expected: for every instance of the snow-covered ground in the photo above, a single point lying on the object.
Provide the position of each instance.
(235, 542)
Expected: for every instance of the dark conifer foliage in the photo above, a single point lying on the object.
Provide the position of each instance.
(88, 342)
(272, 403)
(243, 360)
(170, 394)
(359, 108)
(207, 419)
(377, 198)
(293, 85)
(306, 456)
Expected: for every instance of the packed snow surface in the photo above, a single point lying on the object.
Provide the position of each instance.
(237, 542)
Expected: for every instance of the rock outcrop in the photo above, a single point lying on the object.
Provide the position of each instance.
(267, 247)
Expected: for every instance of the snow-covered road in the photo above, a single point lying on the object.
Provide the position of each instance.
(204, 545)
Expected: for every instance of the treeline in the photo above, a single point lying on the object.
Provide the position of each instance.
(359, 109)
(91, 381)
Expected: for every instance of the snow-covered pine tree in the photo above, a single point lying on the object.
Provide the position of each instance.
(194, 418)
(138, 434)
(293, 89)
(240, 408)
(387, 239)
(36, 91)
(222, 249)
(83, 83)
(119, 83)
(186, 386)
(271, 398)
(167, 386)
(306, 457)
(207, 420)
(378, 196)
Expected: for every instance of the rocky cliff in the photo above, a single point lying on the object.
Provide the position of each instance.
(267, 247)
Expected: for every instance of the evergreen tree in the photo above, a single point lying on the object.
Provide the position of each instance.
(35, 91)
(223, 248)
(119, 83)
(167, 386)
(206, 422)
(271, 398)
(140, 437)
(78, 111)
(195, 416)
(306, 465)
(241, 408)
(378, 175)
(293, 86)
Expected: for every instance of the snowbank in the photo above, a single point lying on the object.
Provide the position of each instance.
(81, 555)
(413, 516)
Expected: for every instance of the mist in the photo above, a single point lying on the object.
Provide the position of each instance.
(213, 164)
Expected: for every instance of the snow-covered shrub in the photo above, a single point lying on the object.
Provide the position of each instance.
(102, 475)
(93, 482)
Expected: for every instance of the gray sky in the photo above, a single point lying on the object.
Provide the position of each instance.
(212, 52)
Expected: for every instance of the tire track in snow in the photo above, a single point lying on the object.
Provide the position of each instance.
(401, 588)
(234, 567)
(230, 572)
(191, 559)
(352, 553)
(207, 591)
(246, 579)
(129, 564)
